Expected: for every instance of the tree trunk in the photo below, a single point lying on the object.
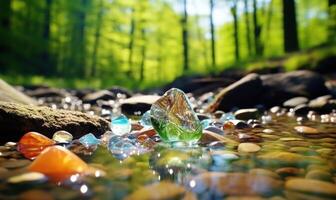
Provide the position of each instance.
(46, 65)
(5, 15)
(200, 38)
(131, 44)
(97, 40)
(212, 31)
(257, 30)
(332, 21)
(143, 55)
(269, 20)
(184, 23)
(291, 41)
(248, 29)
(235, 30)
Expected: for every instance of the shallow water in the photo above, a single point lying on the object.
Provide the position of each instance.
(203, 172)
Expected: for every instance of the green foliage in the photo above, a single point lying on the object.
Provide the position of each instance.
(91, 43)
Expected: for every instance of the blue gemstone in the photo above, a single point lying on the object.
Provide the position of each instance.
(89, 140)
(205, 123)
(227, 117)
(121, 125)
(145, 119)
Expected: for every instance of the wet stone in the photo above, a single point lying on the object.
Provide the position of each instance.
(89, 140)
(12, 164)
(319, 175)
(29, 177)
(291, 103)
(248, 138)
(215, 129)
(173, 118)
(248, 148)
(306, 130)
(246, 114)
(289, 171)
(311, 187)
(36, 195)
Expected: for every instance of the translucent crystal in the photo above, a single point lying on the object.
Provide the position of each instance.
(121, 125)
(145, 119)
(62, 137)
(122, 148)
(205, 123)
(89, 140)
(227, 117)
(174, 119)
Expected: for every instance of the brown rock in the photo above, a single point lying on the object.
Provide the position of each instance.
(17, 119)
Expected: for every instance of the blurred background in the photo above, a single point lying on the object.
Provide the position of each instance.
(147, 43)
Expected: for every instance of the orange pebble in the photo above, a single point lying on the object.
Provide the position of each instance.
(228, 126)
(33, 143)
(58, 163)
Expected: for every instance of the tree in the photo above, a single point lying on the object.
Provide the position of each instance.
(46, 65)
(184, 23)
(291, 41)
(5, 15)
(212, 31)
(257, 31)
(248, 29)
(97, 38)
(131, 42)
(235, 28)
(143, 54)
(332, 21)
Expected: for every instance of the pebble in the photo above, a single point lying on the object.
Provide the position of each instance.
(233, 184)
(264, 172)
(319, 175)
(268, 131)
(291, 103)
(289, 171)
(248, 148)
(62, 137)
(36, 194)
(306, 130)
(311, 186)
(30, 177)
(12, 164)
(246, 114)
(248, 138)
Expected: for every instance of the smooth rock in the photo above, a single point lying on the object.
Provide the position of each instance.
(243, 93)
(293, 102)
(289, 171)
(30, 177)
(278, 158)
(18, 119)
(140, 103)
(306, 130)
(159, 191)
(311, 186)
(246, 114)
(99, 95)
(58, 163)
(235, 184)
(248, 148)
(264, 172)
(10, 94)
(319, 175)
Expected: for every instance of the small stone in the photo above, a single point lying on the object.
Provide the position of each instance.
(89, 140)
(121, 125)
(301, 110)
(291, 103)
(319, 175)
(227, 117)
(264, 172)
(246, 114)
(173, 118)
(279, 158)
(58, 163)
(248, 148)
(36, 195)
(145, 119)
(30, 177)
(289, 171)
(62, 137)
(311, 186)
(305, 130)
(214, 129)
(268, 131)
(12, 164)
(239, 124)
(33, 143)
(248, 138)
(163, 190)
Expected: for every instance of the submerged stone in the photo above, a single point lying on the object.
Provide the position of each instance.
(89, 140)
(62, 137)
(174, 119)
(58, 163)
(121, 125)
(33, 143)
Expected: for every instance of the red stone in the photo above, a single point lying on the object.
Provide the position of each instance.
(33, 143)
(58, 163)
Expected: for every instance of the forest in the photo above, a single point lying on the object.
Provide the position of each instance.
(139, 44)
